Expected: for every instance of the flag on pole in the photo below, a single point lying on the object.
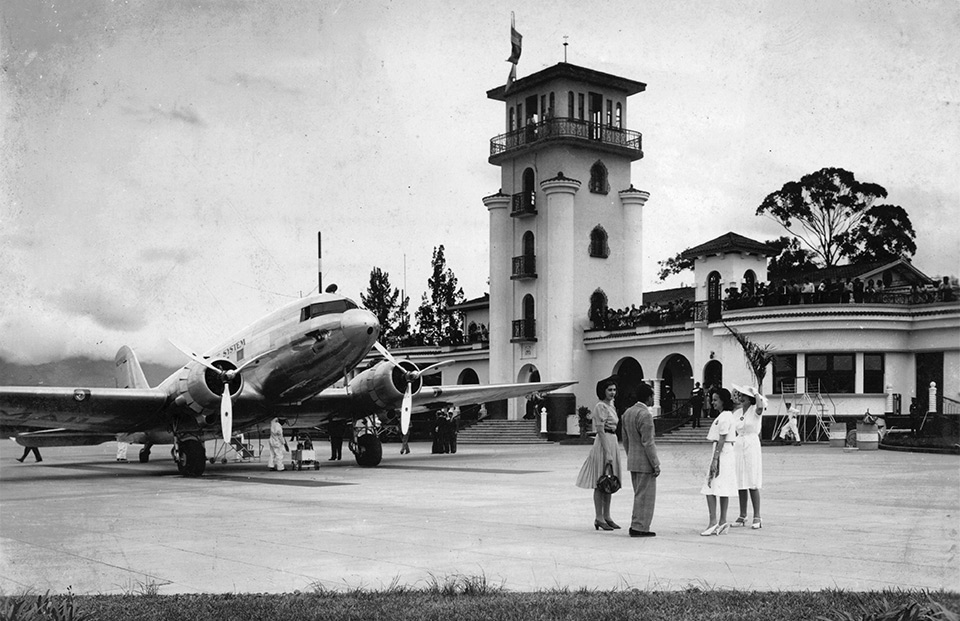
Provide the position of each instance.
(516, 42)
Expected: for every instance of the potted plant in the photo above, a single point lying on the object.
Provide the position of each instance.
(583, 414)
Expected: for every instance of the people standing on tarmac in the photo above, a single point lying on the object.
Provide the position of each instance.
(122, 450)
(605, 452)
(722, 474)
(30, 449)
(336, 429)
(747, 451)
(642, 460)
(277, 445)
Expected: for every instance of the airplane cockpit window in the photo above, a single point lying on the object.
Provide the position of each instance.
(326, 308)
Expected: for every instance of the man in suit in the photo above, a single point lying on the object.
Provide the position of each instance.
(642, 461)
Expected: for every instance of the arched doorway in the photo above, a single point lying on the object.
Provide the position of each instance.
(528, 374)
(677, 375)
(630, 375)
(468, 376)
(714, 297)
(712, 378)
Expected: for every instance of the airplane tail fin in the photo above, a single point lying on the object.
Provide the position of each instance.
(128, 372)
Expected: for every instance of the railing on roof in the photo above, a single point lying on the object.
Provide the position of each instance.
(566, 128)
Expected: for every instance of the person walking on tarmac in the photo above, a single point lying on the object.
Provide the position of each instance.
(277, 445)
(30, 449)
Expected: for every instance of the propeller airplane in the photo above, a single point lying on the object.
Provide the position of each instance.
(284, 365)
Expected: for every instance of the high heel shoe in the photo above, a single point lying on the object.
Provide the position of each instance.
(598, 525)
(723, 528)
(757, 523)
(740, 521)
(710, 531)
(613, 524)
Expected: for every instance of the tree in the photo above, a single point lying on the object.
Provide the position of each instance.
(827, 207)
(383, 301)
(756, 356)
(434, 323)
(673, 265)
(790, 259)
(885, 233)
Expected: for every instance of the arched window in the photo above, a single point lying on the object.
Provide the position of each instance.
(529, 313)
(529, 249)
(619, 119)
(598, 309)
(749, 284)
(714, 301)
(598, 178)
(598, 243)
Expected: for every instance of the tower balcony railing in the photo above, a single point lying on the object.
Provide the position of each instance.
(524, 331)
(524, 267)
(524, 204)
(625, 141)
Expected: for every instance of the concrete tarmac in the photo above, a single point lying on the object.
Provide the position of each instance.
(861, 520)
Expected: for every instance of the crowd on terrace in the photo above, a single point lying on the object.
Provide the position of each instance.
(782, 293)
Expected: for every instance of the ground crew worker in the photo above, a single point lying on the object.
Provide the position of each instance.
(277, 445)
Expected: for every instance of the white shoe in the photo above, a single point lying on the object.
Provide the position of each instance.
(710, 531)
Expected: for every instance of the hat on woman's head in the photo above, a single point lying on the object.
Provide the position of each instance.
(602, 386)
(751, 392)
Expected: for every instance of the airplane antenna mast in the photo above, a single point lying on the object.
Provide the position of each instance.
(319, 263)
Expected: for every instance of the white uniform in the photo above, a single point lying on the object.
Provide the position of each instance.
(276, 445)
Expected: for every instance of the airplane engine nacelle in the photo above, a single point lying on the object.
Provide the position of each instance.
(201, 389)
(384, 384)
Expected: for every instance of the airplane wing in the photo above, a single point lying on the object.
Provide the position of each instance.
(342, 402)
(92, 413)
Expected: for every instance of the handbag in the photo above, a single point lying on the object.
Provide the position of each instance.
(608, 483)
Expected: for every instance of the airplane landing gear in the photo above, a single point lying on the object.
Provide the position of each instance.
(190, 456)
(369, 450)
(145, 453)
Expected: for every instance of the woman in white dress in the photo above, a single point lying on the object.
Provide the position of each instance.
(722, 475)
(747, 452)
(605, 451)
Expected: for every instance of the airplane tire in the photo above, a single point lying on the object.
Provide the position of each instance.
(369, 451)
(193, 458)
(144, 456)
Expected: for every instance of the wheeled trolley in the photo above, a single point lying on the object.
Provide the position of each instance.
(304, 455)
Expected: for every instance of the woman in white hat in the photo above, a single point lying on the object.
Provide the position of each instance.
(747, 452)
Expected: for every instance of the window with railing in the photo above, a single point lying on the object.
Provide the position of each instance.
(784, 373)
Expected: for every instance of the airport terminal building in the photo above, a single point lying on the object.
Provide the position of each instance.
(566, 300)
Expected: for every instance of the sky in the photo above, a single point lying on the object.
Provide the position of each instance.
(166, 165)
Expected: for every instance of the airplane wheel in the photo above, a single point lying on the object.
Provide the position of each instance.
(369, 451)
(852, 438)
(192, 458)
(144, 456)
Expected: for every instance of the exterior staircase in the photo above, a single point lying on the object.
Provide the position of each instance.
(502, 432)
(687, 434)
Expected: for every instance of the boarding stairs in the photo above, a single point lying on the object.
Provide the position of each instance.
(814, 409)
(499, 431)
(687, 434)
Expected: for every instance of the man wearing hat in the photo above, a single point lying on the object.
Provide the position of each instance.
(642, 461)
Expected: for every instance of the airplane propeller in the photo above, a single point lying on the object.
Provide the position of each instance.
(226, 376)
(410, 376)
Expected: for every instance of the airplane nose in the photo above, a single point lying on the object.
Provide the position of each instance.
(360, 325)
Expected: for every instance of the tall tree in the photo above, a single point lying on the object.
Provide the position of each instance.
(885, 233)
(791, 258)
(434, 323)
(673, 265)
(826, 206)
(384, 301)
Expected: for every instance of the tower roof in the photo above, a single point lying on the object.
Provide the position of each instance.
(727, 244)
(573, 72)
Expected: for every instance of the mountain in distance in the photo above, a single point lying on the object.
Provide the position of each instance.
(71, 372)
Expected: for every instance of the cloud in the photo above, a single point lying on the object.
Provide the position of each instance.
(111, 309)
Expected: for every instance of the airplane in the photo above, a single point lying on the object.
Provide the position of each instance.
(284, 365)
